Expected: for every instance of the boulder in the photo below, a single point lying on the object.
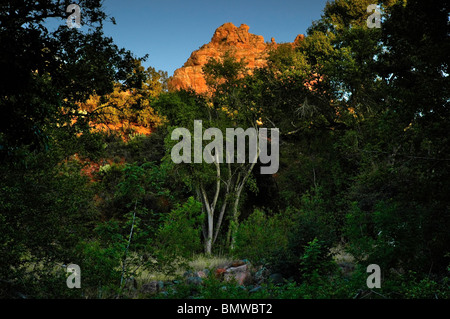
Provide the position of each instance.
(240, 274)
(347, 268)
(194, 281)
(255, 289)
(237, 269)
(219, 272)
(130, 283)
(261, 275)
(238, 263)
(276, 279)
(150, 288)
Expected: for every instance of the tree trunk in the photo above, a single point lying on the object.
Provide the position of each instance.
(209, 238)
(128, 246)
(210, 209)
(235, 212)
(235, 217)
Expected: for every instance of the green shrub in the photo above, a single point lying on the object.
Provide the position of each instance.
(100, 269)
(415, 286)
(180, 231)
(260, 237)
(316, 260)
(178, 237)
(307, 226)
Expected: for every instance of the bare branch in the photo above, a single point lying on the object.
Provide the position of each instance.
(216, 196)
(205, 198)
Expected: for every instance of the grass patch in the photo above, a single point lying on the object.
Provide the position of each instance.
(197, 263)
(201, 262)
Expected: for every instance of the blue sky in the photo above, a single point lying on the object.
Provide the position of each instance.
(169, 30)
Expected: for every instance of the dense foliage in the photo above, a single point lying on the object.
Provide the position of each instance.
(86, 175)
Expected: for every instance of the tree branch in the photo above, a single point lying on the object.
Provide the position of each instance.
(216, 196)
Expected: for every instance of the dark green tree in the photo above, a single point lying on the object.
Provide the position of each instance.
(46, 206)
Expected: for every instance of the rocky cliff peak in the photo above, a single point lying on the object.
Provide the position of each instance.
(227, 38)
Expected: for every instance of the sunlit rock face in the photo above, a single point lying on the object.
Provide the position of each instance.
(227, 38)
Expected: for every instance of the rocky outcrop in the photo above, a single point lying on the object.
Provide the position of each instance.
(240, 274)
(228, 38)
(152, 287)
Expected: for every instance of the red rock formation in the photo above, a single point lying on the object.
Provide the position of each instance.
(227, 38)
